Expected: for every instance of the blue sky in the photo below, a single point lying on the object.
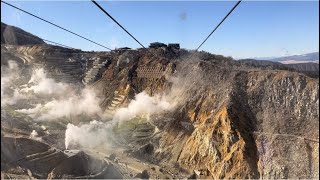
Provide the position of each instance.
(254, 29)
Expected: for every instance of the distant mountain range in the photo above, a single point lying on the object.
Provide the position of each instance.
(304, 58)
(294, 59)
(305, 63)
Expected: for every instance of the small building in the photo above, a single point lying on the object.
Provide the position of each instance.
(123, 49)
(174, 46)
(157, 45)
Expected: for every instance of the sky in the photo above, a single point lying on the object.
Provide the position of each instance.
(254, 29)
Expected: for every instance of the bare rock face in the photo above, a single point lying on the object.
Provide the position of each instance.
(268, 128)
(220, 146)
(286, 108)
(28, 158)
(83, 166)
(30, 154)
(143, 175)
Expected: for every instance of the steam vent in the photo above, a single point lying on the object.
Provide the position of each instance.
(160, 112)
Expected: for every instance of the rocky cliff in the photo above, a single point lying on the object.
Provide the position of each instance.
(232, 121)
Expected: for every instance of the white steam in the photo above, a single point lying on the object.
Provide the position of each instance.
(34, 135)
(12, 91)
(143, 105)
(40, 84)
(10, 94)
(51, 100)
(96, 133)
(85, 103)
(89, 135)
(62, 101)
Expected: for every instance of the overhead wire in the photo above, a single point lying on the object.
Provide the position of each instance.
(114, 20)
(55, 25)
(234, 7)
(57, 43)
(35, 37)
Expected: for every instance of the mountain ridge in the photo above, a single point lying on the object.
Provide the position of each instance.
(292, 59)
(16, 36)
